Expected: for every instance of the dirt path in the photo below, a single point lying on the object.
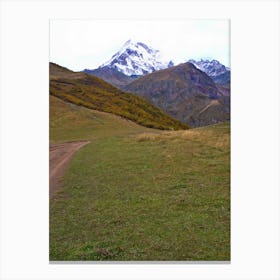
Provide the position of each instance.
(60, 156)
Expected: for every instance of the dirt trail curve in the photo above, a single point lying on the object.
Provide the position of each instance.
(60, 156)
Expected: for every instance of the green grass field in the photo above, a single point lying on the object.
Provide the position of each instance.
(69, 122)
(135, 193)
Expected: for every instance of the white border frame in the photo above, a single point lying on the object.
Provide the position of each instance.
(255, 138)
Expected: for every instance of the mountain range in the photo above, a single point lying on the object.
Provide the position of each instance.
(185, 93)
(196, 92)
(133, 60)
(136, 59)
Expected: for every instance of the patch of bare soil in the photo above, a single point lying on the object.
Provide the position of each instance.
(60, 157)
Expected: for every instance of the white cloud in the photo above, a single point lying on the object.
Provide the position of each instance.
(79, 44)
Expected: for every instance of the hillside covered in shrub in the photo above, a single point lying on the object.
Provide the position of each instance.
(94, 93)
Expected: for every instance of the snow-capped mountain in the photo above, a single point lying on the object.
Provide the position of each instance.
(136, 58)
(212, 68)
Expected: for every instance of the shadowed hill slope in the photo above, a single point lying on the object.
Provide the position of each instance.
(185, 93)
(111, 75)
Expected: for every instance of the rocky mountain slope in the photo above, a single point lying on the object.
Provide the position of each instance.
(111, 75)
(185, 93)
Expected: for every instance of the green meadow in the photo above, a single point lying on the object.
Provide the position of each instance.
(139, 194)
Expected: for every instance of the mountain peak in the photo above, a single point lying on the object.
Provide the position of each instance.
(129, 43)
(137, 58)
(212, 67)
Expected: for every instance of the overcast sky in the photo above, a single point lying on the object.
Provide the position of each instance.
(80, 44)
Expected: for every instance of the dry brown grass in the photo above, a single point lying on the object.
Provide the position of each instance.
(212, 136)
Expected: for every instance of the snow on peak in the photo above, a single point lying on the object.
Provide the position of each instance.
(136, 58)
(212, 68)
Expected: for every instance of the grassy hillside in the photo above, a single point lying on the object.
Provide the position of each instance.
(94, 93)
(69, 122)
(136, 193)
